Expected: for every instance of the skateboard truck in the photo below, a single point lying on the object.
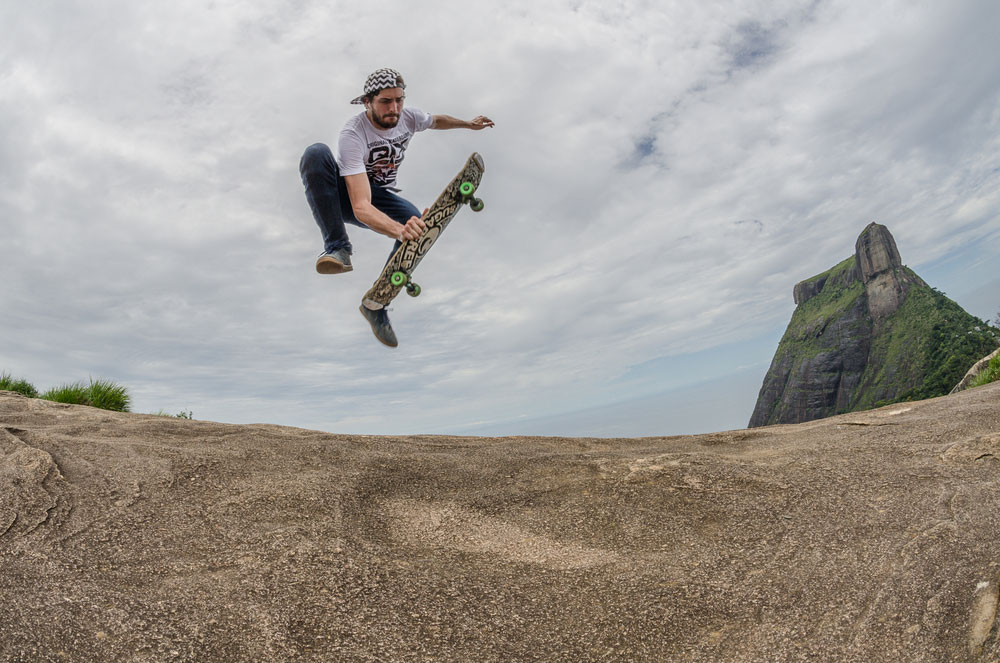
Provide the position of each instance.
(402, 278)
(465, 191)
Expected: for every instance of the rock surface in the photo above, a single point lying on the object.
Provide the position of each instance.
(868, 537)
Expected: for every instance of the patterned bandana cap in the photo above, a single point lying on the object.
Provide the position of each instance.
(378, 81)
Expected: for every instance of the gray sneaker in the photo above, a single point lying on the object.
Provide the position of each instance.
(379, 320)
(336, 262)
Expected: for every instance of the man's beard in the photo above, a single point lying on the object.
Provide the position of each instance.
(385, 121)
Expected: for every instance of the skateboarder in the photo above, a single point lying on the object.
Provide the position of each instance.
(358, 186)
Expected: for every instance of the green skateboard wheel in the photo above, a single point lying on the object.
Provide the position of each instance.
(399, 278)
(477, 204)
(467, 188)
(413, 290)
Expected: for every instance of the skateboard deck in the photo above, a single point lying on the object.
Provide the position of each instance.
(397, 273)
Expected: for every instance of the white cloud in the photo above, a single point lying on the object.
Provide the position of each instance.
(660, 176)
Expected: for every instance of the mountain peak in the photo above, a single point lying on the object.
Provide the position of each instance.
(876, 251)
(881, 269)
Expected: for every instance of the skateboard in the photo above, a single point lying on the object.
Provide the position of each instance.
(398, 272)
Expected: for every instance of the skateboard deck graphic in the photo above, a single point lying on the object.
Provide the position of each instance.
(398, 271)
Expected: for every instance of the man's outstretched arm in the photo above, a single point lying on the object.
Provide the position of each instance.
(449, 122)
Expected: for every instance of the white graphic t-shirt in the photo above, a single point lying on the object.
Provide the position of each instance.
(363, 148)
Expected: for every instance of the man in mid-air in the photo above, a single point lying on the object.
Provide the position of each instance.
(369, 151)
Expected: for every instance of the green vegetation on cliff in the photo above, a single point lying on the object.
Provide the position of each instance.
(839, 289)
(923, 350)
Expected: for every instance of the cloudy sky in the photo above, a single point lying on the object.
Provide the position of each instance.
(660, 176)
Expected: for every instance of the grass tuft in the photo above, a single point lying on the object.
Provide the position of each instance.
(183, 414)
(102, 394)
(23, 387)
(74, 394)
(109, 396)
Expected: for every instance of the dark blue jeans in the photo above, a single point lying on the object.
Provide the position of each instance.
(331, 206)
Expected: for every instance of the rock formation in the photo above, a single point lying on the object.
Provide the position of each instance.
(974, 372)
(867, 537)
(868, 332)
(881, 270)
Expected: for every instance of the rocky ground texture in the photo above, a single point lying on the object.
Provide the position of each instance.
(866, 537)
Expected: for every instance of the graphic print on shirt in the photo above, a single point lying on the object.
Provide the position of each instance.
(383, 160)
(362, 148)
